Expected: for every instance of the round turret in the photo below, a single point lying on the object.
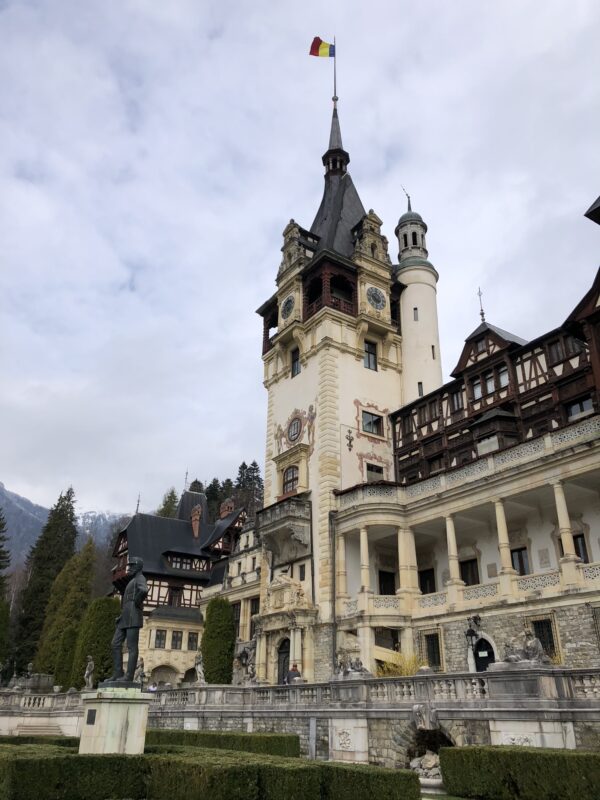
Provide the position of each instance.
(422, 368)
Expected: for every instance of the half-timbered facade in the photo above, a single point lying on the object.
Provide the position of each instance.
(183, 558)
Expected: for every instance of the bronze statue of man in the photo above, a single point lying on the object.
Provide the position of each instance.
(129, 622)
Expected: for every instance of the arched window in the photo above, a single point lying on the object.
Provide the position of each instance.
(290, 480)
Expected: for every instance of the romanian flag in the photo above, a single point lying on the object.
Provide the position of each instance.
(321, 48)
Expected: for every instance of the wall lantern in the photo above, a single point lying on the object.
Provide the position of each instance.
(471, 634)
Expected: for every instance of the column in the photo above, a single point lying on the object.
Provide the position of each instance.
(454, 586)
(365, 577)
(570, 573)
(261, 657)
(342, 583)
(408, 579)
(507, 572)
(407, 645)
(452, 549)
(564, 520)
(298, 633)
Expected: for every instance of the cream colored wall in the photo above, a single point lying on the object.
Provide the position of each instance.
(418, 336)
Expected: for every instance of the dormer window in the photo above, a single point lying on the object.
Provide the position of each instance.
(480, 345)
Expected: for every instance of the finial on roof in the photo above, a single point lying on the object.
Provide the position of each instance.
(481, 311)
(335, 137)
(408, 197)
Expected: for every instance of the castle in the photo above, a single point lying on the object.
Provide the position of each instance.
(402, 512)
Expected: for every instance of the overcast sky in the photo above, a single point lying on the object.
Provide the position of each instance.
(151, 154)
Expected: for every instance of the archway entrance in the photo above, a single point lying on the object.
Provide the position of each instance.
(283, 660)
(483, 653)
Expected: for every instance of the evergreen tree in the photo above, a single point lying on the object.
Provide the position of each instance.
(249, 488)
(95, 635)
(169, 504)
(196, 486)
(54, 547)
(64, 659)
(4, 632)
(4, 605)
(218, 641)
(69, 597)
(4, 556)
(214, 498)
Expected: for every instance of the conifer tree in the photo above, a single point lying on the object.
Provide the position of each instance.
(4, 556)
(169, 504)
(69, 597)
(214, 498)
(54, 547)
(95, 634)
(218, 641)
(196, 486)
(4, 605)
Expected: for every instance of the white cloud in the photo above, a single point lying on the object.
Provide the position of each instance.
(152, 153)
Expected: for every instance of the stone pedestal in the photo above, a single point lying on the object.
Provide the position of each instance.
(114, 721)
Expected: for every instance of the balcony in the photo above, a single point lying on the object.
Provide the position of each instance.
(285, 529)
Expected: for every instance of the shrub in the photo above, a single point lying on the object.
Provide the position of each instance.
(403, 665)
(180, 778)
(59, 741)
(503, 773)
(218, 641)
(341, 781)
(276, 744)
(95, 634)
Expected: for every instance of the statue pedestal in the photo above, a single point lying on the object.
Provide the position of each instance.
(114, 721)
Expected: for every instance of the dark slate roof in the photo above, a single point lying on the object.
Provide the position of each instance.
(485, 326)
(494, 413)
(217, 574)
(340, 210)
(593, 212)
(149, 536)
(335, 136)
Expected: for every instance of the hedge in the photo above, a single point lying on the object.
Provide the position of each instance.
(275, 744)
(504, 773)
(48, 772)
(60, 741)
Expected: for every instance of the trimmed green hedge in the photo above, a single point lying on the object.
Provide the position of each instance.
(59, 741)
(49, 772)
(275, 744)
(527, 773)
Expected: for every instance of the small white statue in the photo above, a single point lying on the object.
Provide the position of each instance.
(199, 667)
(89, 673)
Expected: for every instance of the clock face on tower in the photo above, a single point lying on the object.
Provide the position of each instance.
(287, 307)
(376, 297)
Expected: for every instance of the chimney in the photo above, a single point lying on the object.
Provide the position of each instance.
(195, 518)
(227, 506)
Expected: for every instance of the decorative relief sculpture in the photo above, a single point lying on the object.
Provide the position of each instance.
(531, 654)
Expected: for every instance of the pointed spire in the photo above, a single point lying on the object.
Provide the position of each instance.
(336, 159)
(409, 205)
(335, 137)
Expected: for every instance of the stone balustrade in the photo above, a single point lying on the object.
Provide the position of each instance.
(586, 430)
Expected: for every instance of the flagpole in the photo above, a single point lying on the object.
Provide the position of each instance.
(334, 72)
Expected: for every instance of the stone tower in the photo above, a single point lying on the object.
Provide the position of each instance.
(333, 370)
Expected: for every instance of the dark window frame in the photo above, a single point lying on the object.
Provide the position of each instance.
(370, 356)
(290, 477)
(192, 640)
(296, 365)
(519, 557)
(176, 640)
(376, 471)
(160, 639)
(469, 571)
(372, 424)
